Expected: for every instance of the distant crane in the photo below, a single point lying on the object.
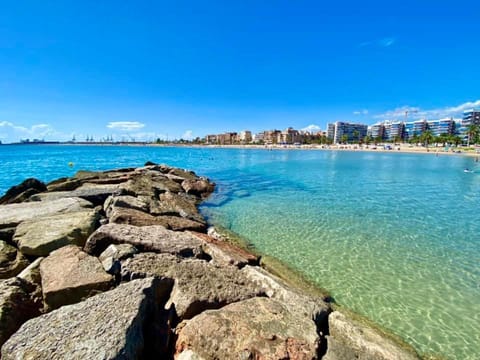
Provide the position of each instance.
(409, 112)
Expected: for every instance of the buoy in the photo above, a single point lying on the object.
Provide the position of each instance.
(70, 164)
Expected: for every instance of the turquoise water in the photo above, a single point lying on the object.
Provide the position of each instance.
(395, 237)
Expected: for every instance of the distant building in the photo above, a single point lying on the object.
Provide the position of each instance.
(211, 139)
(470, 117)
(377, 131)
(259, 137)
(245, 137)
(271, 136)
(228, 138)
(415, 128)
(442, 126)
(289, 136)
(353, 132)
(394, 130)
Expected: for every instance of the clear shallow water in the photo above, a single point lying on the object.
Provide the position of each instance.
(395, 237)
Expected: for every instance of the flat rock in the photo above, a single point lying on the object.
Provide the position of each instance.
(96, 194)
(16, 307)
(13, 214)
(111, 325)
(154, 238)
(199, 285)
(23, 191)
(185, 174)
(69, 275)
(258, 328)
(140, 218)
(351, 340)
(64, 184)
(176, 205)
(40, 236)
(12, 261)
(149, 184)
(296, 301)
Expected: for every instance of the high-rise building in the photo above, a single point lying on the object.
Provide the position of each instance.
(442, 126)
(394, 130)
(415, 128)
(377, 131)
(350, 131)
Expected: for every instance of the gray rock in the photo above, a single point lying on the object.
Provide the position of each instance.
(258, 328)
(96, 194)
(13, 214)
(185, 174)
(349, 339)
(149, 184)
(147, 238)
(31, 276)
(23, 191)
(69, 275)
(296, 301)
(111, 325)
(12, 261)
(112, 255)
(40, 236)
(199, 285)
(16, 307)
(176, 205)
(64, 184)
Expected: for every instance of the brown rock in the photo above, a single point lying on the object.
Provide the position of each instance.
(124, 201)
(199, 285)
(96, 194)
(199, 187)
(69, 275)
(154, 238)
(23, 191)
(11, 261)
(258, 328)
(64, 184)
(149, 184)
(176, 205)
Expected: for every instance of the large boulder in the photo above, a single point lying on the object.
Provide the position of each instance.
(40, 236)
(349, 339)
(69, 275)
(199, 187)
(23, 191)
(13, 214)
(176, 205)
(154, 238)
(11, 261)
(16, 306)
(64, 184)
(149, 184)
(112, 325)
(134, 217)
(96, 194)
(199, 285)
(258, 328)
(124, 201)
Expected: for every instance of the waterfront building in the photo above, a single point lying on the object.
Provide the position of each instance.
(211, 139)
(442, 126)
(415, 128)
(259, 137)
(470, 117)
(245, 137)
(271, 136)
(289, 136)
(377, 131)
(351, 131)
(228, 138)
(394, 130)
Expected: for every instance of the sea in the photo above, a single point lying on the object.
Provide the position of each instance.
(392, 236)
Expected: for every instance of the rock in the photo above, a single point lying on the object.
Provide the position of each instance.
(176, 205)
(258, 328)
(33, 279)
(38, 237)
(6, 234)
(16, 307)
(13, 214)
(139, 218)
(112, 255)
(96, 194)
(349, 340)
(69, 275)
(186, 175)
(12, 261)
(23, 191)
(64, 184)
(296, 301)
(199, 285)
(200, 187)
(149, 184)
(224, 253)
(112, 325)
(147, 238)
(124, 201)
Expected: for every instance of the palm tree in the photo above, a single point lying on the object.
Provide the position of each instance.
(426, 138)
(344, 139)
(356, 135)
(367, 139)
(473, 130)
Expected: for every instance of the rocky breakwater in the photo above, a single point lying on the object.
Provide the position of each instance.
(120, 265)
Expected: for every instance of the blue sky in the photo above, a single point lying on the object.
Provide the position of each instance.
(148, 69)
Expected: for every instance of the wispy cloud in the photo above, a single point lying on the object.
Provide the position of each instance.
(361, 112)
(12, 132)
(384, 42)
(418, 113)
(125, 125)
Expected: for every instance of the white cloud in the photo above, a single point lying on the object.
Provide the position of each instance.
(312, 128)
(418, 113)
(187, 135)
(12, 132)
(361, 112)
(125, 125)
